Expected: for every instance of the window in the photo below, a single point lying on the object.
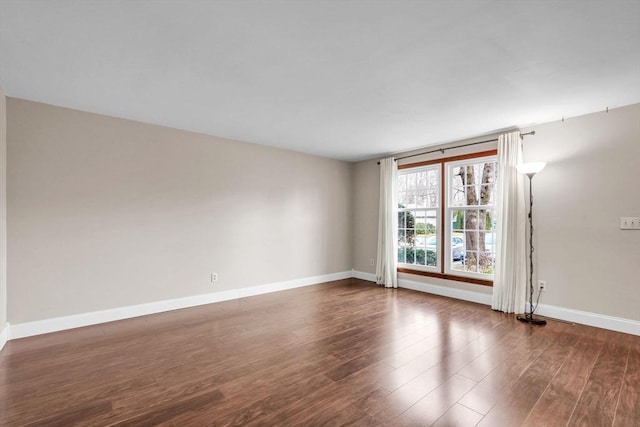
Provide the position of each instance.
(419, 216)
(471, 215)
(448, 230)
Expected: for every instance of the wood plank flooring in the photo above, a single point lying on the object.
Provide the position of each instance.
(340, 353)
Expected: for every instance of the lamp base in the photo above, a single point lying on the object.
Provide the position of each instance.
(528, 318)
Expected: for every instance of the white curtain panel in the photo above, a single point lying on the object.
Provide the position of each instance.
(387, 261)
(510, 277)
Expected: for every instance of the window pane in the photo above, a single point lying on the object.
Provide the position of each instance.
(421, 179)
(410, 237)
(411, 181)
(486, 263)
(471, 195)
(457, 249)
(401, 254)
(432, 199)
(421, 223)
(471, 262)
(457, 220)
(431, 258)
(483, 241)
(433, 177)
(420, 256)
(489, 220)
(402, 238)
(487, 242)
(410, 199)
(457, 196)
(402, 182)
(402, 199)
(431, 222)
(471, 219)
(456, 179)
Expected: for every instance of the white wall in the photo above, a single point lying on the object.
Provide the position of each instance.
(591, 180)
(106, 213)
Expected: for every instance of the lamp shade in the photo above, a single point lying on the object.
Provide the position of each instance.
(530, 168)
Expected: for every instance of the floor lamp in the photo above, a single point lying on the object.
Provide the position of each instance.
(530, 169)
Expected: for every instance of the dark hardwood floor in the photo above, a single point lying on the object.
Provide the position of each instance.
(341, 353)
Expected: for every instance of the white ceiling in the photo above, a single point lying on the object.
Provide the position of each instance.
(342, 79)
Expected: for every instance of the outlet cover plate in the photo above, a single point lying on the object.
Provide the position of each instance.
(630, 223)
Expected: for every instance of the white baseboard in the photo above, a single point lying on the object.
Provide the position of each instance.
(4, 336)
(22, 330)
(619, 324)
(297, 283)
(364, 276)
(604, 321)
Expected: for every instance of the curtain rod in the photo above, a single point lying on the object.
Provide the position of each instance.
(442, 150)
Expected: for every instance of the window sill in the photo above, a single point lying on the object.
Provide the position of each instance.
(446, 276)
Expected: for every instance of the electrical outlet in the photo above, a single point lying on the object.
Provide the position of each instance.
(371, 261)
(630, 223)
(542, 285)
(214, 277)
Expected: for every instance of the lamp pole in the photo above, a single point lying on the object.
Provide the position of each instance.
(528, 316)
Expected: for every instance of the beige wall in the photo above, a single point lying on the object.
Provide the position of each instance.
(365, 213)
(591, 180)
(3, 211)
(105, 213)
